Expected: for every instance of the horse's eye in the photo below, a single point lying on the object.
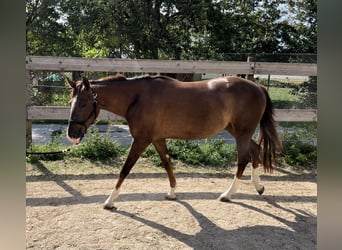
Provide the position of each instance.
(82, 104)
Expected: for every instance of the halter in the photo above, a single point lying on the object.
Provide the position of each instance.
(94, 112)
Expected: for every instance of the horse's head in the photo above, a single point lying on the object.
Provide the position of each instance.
(84, 109)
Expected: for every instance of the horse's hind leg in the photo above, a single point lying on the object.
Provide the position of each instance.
(255, 152)
(164, 156)
(138, 146)
(243, 145)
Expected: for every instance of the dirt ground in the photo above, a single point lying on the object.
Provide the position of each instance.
(64, 209)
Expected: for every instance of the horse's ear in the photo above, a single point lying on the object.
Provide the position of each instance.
(85, 82)
(71, 83)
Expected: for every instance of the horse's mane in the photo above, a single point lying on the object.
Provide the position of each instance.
(120, 77)
(150, 77)
(111, 78)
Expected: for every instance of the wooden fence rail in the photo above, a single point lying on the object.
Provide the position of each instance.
(168, 66)
(62, 113)
(67, 64)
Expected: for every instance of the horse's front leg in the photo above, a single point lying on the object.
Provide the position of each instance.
(138, 146)
(161, 148)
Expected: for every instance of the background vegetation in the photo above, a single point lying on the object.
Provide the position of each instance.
(171, 29)
(299, 141)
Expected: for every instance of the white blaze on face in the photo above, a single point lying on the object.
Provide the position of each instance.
(72, 106)
(73, 140)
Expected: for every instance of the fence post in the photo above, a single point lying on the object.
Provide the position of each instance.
(28, 103)
(251, 62)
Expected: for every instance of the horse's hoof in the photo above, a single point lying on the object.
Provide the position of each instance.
(171, 197)
(261, 191)
(109, 207)
(224, 199)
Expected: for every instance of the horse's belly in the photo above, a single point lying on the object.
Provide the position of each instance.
(191, 129)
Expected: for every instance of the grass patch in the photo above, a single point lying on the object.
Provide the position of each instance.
(283, 98)
(43, 152)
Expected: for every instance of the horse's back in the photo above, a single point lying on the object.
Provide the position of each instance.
(215, 94)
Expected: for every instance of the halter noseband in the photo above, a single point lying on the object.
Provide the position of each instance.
(94, 112)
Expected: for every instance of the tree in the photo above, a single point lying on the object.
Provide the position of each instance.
(171, 29)
(45, 32)
(301, 33)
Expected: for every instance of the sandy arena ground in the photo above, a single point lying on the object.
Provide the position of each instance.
(64, 209)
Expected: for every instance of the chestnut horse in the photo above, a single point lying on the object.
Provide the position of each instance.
(159, 107)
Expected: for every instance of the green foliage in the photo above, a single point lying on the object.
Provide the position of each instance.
(299, 153)
(54, 146)
(50, 99)
(292, 93)
(98, 147)
(188, 152)
(168, 29)
(299, 144)
(298, 141)
(50, 147)
(307, 93)
(45, 32)
(217, 153)
(283, 98)
(151, 153)
(210, 153)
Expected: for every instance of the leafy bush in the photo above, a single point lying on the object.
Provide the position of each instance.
(151, 153)
(307, 93)
(299, 150)
(210, 153)
(98, 147)
(188, 152)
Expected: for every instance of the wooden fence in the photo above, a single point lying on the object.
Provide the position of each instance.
(168, 66)
(67, 64)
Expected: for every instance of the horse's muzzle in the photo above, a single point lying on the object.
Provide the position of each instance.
(75, 133)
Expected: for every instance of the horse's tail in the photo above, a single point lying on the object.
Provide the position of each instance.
(268, 136)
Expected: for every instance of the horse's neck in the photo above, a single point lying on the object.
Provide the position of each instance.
(116, 97)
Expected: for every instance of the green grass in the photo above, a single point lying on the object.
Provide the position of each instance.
(282, 98)
(282, 94)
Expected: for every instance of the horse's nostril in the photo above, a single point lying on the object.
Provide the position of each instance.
(75, 132)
